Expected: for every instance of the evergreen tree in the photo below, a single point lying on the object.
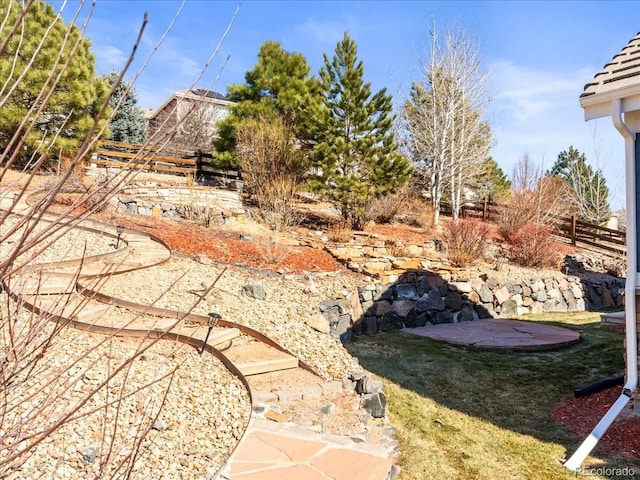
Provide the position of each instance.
(128, 124)
(492, 184)
(34, 57)
(356, 154)
(278, 86)
(589, 187)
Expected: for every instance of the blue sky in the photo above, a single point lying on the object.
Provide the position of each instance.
(540, 55)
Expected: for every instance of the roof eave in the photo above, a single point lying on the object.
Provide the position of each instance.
(599, 105)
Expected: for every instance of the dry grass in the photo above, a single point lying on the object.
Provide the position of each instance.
(340, 232)
(272, 248)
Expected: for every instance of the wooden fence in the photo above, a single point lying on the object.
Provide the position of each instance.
(165, 160)
(159, 160)
(573, 229)
(581, 232)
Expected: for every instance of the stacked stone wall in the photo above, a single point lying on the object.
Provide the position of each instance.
(418, 299)
(171, 202)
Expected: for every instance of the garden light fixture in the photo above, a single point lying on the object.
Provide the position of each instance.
(213, 321)
(119, 230)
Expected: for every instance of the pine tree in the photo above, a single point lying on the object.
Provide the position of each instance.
(128, 124)
(356, 156)
(279, 86)
(77, 93)
(589, 187)
(492, 184)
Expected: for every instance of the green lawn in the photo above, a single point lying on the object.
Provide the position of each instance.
(467, 413)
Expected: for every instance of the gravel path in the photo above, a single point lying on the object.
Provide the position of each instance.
(197, 408)
(65, 244)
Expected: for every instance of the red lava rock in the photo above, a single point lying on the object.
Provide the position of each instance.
(582, 414)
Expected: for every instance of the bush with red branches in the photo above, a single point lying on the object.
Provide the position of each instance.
(532, 245)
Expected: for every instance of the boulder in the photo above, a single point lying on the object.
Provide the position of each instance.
(430, 301)
(509, 308)
(402, 307)
(405, 291)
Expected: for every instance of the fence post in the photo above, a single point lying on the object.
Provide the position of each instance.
(573, 230)
(198, 164)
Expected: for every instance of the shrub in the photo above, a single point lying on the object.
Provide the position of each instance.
(273, 169)
(549, 198)
(340, 232)
(467, 240)
(272, 250)
(396, 249)
(385, 209)
(419, 213)
(204, 215)
(532, 245)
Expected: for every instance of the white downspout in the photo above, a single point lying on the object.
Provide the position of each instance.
(630, 295)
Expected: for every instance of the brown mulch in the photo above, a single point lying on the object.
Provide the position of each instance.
(217, 244)
(582, 414)
(227, 247)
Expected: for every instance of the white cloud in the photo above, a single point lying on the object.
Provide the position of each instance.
(110, 57)
(325, 34)
(527, 93)
(537, 112)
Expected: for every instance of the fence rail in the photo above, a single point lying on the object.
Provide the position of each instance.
(573, 229)
(160, 160)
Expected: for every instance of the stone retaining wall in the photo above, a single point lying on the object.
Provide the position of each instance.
(419, 298)
(172, 202)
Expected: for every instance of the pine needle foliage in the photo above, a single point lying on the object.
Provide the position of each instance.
(356, 157)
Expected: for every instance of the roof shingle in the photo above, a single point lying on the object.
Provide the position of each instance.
(622, 71)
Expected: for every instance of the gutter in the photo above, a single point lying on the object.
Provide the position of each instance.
(630, 294)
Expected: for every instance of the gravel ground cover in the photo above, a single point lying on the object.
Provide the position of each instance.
(180, 284)
(65, 244)
(184, 432)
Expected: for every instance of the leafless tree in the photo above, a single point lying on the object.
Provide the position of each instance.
(534, 198)
(34, 402)
(448, 139)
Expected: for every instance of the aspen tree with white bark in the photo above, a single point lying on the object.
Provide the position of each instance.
(448, 138)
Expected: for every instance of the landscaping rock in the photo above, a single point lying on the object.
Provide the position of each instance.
(509, 308)
(467, 314)
(89, 454)
(406, 292)
(453, 300)
(485, 293)
(402, 307)
(319, 323)
(375, 404)
(254, 290)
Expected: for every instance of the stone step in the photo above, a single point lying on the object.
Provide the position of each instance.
(73, 306)
(45, 284)
(218, 335)
(253, 357)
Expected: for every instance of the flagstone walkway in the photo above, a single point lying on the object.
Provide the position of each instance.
(500, 333)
